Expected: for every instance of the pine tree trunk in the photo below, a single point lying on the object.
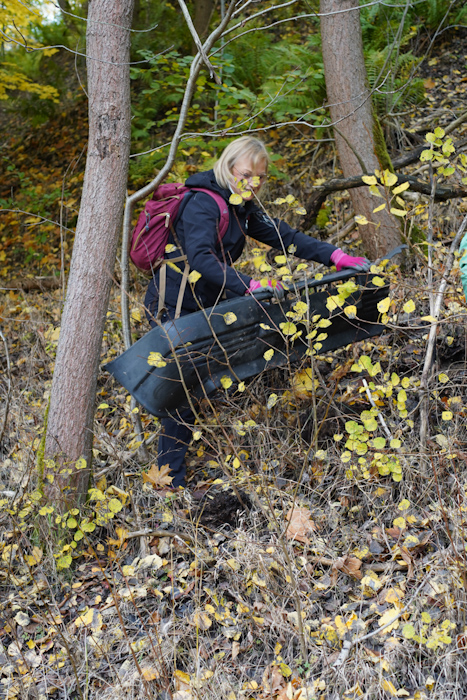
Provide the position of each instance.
(359, 141)
(70, 420)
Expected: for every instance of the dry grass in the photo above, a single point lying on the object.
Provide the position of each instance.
(213, 611)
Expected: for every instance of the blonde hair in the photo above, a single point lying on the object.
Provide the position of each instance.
(247, 146)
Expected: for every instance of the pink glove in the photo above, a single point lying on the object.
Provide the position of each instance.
(341, 260)
(278, 289)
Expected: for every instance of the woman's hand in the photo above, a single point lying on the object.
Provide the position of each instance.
(275, 285)
(341, 260)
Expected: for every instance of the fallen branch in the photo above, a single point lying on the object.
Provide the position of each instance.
(313, 205)
(159, 533)
(32, 283)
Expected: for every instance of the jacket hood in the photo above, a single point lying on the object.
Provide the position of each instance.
(207, 181)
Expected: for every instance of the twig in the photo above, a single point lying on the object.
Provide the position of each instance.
(7, 402)
(432, 336)
(386, 430)
(159, 533)
(198, 43)
(349, 644)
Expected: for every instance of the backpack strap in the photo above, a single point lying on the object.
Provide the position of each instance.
(163, 285)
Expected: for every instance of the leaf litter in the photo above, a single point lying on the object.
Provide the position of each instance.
(288, 547)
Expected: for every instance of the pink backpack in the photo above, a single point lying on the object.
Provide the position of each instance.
(151, 233)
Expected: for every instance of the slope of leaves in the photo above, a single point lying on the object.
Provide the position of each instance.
(320, 549)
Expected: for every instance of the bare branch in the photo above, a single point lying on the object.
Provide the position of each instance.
(197, 41)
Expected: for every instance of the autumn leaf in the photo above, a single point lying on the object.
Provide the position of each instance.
(158, 478)
(92, 619)
(149, 673)
(347, 565)
(300, 525)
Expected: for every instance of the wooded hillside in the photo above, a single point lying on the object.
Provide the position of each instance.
(319, 549)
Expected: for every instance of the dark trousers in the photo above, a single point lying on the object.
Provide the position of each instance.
(175, 436)
(174, 440)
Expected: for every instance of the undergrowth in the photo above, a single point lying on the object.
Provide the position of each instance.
(324, 525)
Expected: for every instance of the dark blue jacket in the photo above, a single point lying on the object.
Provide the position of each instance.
(196, 231)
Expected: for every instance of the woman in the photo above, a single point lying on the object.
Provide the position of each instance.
(242, 165)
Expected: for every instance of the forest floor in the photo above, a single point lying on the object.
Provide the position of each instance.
(320, 549)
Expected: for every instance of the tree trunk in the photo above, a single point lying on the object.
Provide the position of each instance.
(201, 19)
(70, 420)
(359, 140)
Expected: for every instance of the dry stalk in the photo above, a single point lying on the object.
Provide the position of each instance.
(8, 395)
(348, 644)
(424, 382)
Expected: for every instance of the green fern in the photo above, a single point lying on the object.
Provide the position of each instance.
(392, 80)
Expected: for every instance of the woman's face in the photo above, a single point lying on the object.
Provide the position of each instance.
(247, 176)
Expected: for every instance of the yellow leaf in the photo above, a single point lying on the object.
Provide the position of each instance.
(114, 505)
(268, 354)
(235, 199)
(182, 680)
(288, 328)
(350, 311)
(272, 400)
(361, 220)
(226, 382)
(369, 180)
(389, 687)
(431, 319)
(394, 595)
(404, 504)
(149, 673)
(398, 212)
(194, 276)
(408, 631)
(384, 305)
(155, 359)
(80, 463)
(401, 188)
(304, 383)
(400, 523)
(92, 618)
(409, 306)
(201, 620)
(229, 318)
(35, 557)
(378, 281)
(443, 378)
(136, 314)
(389, 616)
(380, 208)
(389, 179)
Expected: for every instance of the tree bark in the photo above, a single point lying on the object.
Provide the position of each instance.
(359, 140)
(201, 18)
(69, 433)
